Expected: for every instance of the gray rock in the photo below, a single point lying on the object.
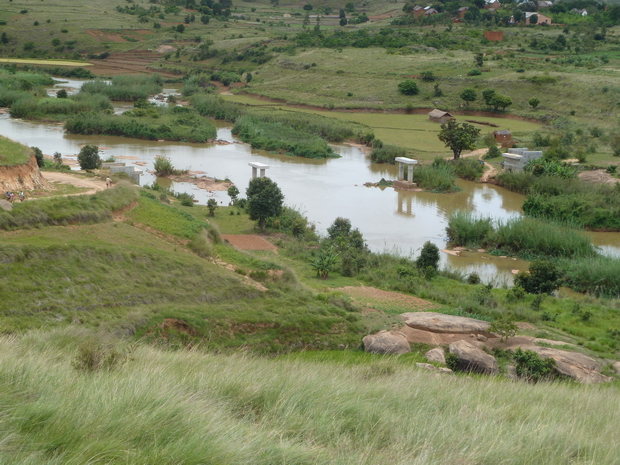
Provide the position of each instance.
(427, 366)
(511, 372)
(616, 366)
(436, 355)
(575, 365)
(440, 323)
(445, 371)
(473, 359)
(386, 342)
(6, 205)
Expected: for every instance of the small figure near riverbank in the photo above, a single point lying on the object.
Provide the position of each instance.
(108, 182)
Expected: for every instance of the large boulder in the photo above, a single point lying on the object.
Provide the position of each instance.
(436, 355)
(577, 366)
(440, 323)
(471, 358)
(386, 342)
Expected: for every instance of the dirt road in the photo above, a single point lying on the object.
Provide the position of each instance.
(92, 184)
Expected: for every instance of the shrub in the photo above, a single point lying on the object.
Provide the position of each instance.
(89, 158)
(387, 154)
(504, 328)
(467, 168)
(474, 72)
(429, 256)
(435, 177)
(39, 156)
(163, 167)
(543, 278)
(466, 229)
(531, 367)
(493, 152)
(408, 87)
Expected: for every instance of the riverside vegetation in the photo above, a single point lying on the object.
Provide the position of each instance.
(139, 299)
(74, 343)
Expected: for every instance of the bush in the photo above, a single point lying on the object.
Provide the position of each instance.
(429, 256)
(387, 154)
(408, 87)
(493, 152)
(531, 367)
(164, 167)
(474, 72)
(466, 229)
(39, 156)
(435, 177)
(543, 278)
(88, 158)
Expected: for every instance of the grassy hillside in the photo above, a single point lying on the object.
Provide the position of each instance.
(155, 406)
(12, 153)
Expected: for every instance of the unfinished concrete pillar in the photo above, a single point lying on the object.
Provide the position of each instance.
(258, 167)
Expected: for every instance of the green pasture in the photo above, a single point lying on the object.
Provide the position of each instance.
(414, 132)
(25, 61)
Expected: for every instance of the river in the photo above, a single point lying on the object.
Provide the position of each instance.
(390, 220)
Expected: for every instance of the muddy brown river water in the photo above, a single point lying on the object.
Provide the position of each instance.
(390, 220)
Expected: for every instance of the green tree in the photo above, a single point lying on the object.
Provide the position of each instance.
(264, 200)
(89, 158)
(62, 93)
(58, 158)
(248, 78)
(350, 7)
(488, 95)
(458, 137)
(533, 102)
(429, 256)
(343, 21)
(233, 193)
(4, 39)
(342, 14)
(409, 87)
(180, 28)
(308, 7)
(324, 262)
(533, 19)
(469, 95)
(501, 101)
(543, 278)
(39, 156)
(212, 206)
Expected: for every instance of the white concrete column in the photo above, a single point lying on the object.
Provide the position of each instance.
(401, 171)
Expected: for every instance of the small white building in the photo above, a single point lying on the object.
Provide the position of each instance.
(516, 159)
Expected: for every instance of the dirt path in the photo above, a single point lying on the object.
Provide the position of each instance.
(371, 297)
(93, 184)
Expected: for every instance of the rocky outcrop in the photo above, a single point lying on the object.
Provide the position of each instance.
(471, 358)
(436, 355)
(22, 177)
(577, 366)
(386, 342)
(440, 323)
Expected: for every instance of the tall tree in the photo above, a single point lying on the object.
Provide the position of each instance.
(458, 137)
(264, 200)
(469, 95)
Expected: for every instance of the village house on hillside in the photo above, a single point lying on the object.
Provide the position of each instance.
(502, 135)
(493, 5)
(439, 116)
(542, 19)
(423, 11)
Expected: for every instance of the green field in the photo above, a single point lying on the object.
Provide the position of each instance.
(25, 61)
(414, 132)
(12, 153)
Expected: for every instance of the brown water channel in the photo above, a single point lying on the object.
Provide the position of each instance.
(390, 220)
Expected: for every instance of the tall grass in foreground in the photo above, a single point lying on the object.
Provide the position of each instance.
(68, 210)
(196, 408)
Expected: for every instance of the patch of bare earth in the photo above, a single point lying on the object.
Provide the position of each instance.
(249, 242)
(598, 176)
(370, 297)
(203, 182)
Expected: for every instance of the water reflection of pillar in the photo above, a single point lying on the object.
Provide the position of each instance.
(405, 197)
